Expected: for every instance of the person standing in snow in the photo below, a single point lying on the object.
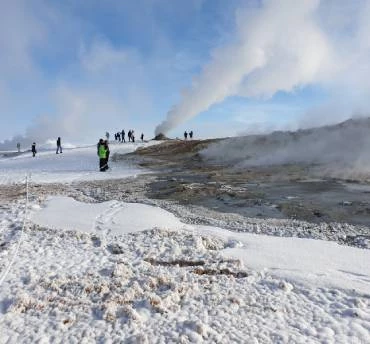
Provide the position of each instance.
(33, 149)
(102, 153)
(191, 134)
(59, 147)
(129, 135)
(107, 136)
(185, 135)
(142, 137)
(101, 141)
(123, 136)
(107, 154)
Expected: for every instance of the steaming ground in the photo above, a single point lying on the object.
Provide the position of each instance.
(168, 256)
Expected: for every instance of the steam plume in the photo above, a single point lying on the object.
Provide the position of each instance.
(277, 47)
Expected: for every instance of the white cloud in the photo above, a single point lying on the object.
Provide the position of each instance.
(101, 55)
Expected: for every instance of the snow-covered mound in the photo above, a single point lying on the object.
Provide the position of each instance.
(341, 150)
(74, 164)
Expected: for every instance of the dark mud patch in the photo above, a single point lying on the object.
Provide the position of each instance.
(286, 191)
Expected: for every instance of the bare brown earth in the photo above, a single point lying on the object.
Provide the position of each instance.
(281, 191)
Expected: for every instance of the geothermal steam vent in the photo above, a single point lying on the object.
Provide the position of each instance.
(161, 136)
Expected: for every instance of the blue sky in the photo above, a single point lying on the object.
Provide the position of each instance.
(76, 68)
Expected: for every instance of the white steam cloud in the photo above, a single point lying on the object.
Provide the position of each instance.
(281, 46)
(339, 151)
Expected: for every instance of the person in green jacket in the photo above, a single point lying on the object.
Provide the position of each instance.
(102, 153)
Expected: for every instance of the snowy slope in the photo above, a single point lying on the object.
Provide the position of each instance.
(74, 164)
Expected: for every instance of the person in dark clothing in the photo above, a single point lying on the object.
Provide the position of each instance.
(129, 135)
(33, 149)
(123, 136)
(101, 141)
(119, 137)
(107, 154)
(142, 137)
(191, 134)
(185, 135)
(132, 136)
(59, 147)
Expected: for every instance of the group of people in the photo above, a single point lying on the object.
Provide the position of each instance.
(103, 154)
(120, 136)
(186, 134)
(102, 147)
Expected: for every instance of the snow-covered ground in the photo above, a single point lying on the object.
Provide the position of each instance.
(75, 164)
(129, 272)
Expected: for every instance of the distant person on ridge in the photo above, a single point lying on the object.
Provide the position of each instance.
(33, 149)
(185, 135)
(19, 147)
(191, 134)
(59, 147)
(119, 137)
(107, 135)
(129, 135)
(132, 136)
(142, 137)
(123, 136)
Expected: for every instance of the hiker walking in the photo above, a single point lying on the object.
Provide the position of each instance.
(191, 134)
(123, 136)
(59, 146)
(33, 149)
(185, 135)
(142, 137)
(129, 135)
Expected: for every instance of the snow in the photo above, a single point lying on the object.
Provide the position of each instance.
(134, 273)
(106, 217)
(293, 258)
(72, 165)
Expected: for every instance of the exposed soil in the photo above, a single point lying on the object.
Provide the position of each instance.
(279, 191)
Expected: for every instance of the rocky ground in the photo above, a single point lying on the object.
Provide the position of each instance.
(285, 192)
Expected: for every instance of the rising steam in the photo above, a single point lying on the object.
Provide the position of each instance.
(339, 151)
(280, 46)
